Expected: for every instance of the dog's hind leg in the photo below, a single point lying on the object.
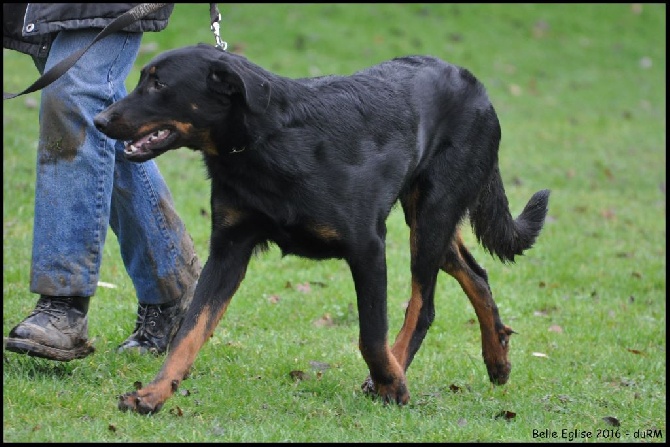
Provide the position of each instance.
(430, 231)
(473, 279)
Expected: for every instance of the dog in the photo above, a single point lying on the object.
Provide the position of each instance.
(315, 165)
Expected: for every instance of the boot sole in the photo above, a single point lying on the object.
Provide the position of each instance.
(33, 349)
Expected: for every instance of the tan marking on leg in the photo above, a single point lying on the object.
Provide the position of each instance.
(387, 378)
(180, 358)
(401, 346)
(495, 345)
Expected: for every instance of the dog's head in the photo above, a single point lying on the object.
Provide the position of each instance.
(182, 95)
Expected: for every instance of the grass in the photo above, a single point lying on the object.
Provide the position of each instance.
(580, 90)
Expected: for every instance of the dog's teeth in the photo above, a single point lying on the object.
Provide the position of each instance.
(157, 134)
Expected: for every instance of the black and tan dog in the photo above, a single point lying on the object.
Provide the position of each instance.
(315, 165)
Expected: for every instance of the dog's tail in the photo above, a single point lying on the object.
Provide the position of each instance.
(494, 226)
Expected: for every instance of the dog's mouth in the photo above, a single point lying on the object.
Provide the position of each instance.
(150, 145)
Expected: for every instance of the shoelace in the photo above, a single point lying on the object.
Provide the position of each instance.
(54, 307)
(147, 316)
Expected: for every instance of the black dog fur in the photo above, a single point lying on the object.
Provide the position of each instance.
(315, 165)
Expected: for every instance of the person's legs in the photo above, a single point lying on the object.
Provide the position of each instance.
(156, 249)
(84, 184)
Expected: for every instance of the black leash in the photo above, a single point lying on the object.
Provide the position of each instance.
(118, 24)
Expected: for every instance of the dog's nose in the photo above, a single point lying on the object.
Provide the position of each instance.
(101, 121)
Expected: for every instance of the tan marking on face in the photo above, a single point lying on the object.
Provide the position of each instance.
(152, 70)
(183, 128)
(201, 136)
(146, 129)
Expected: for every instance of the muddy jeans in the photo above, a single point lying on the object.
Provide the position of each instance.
(84, 184)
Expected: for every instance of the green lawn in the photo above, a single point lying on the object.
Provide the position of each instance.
(581, 95)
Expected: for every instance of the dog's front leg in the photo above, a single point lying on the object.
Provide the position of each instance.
(220, 278)
(387, 378)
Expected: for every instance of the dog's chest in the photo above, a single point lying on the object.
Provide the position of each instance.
(307, 240)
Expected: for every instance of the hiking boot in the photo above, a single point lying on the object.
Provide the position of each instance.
(57, 329)
(155, 327)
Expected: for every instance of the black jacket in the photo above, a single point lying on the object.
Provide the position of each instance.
(30, 27)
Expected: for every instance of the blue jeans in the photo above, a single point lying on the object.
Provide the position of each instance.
(84, 183)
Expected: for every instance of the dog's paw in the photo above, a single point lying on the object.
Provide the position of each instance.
(392, 393)
(139, 404)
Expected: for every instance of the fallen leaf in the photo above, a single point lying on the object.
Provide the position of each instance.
(298, 375)
(325, 321)
(304, 287)
(462, 422)
(176, 411)
(608, 214)
(106, 285)
(507, 415)
(111, 428)
(611, 420)
(540, 313)
(635, 351)
(608, 173)
(564, 398)
(274, 299)
(637, 275)
(539, 354)
(137, 385)
(555, 328)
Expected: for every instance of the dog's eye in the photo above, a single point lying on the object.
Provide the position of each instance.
(158, 85)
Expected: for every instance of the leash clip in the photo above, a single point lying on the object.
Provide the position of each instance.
(215, 29)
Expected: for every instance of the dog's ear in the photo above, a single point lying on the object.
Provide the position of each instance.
(233, 76)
